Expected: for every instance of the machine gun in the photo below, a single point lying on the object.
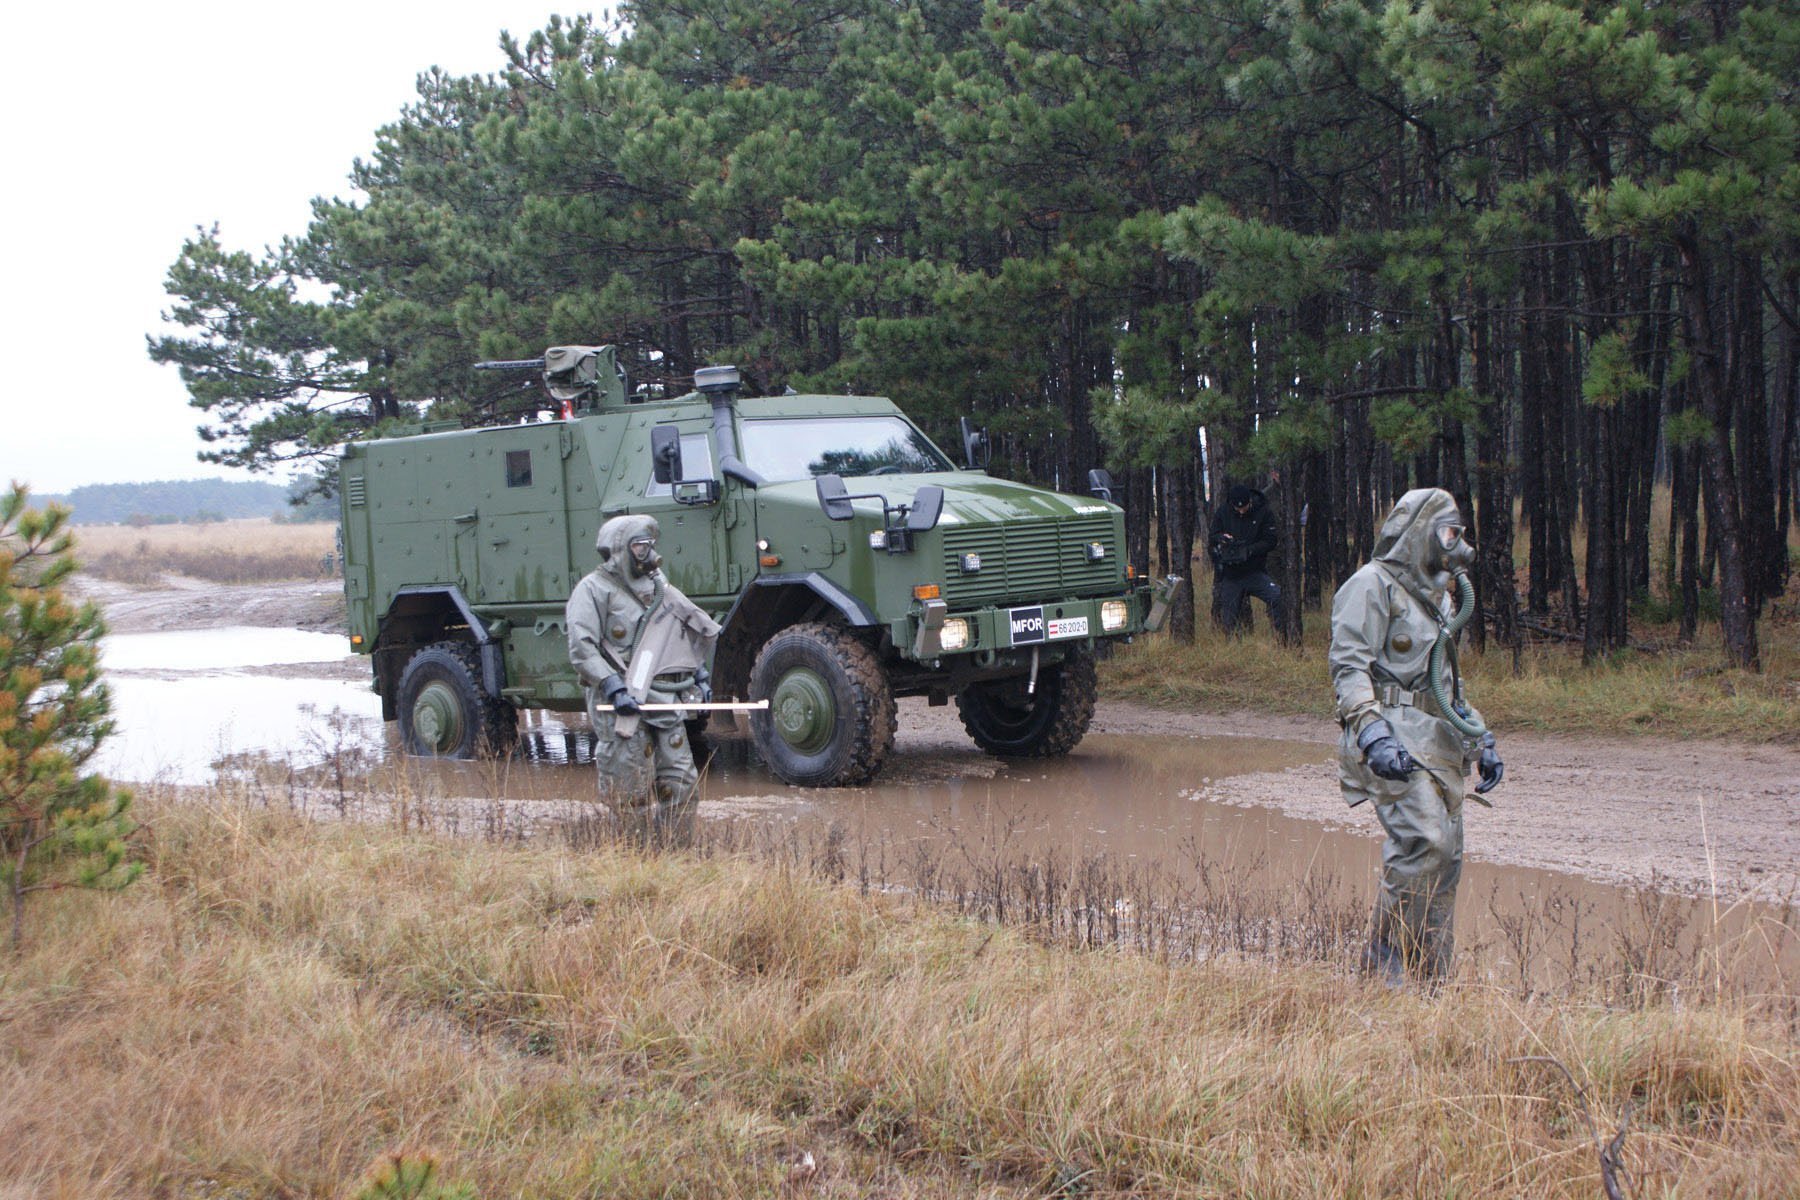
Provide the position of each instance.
(580, 378)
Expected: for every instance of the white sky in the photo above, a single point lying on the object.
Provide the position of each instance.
(128, 124)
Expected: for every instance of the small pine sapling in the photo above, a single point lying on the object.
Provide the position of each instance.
(410, 1176)
(59, 827)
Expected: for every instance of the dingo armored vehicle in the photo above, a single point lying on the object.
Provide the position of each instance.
(848, 559)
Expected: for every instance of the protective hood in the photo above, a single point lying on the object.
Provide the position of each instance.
(614, 545)
(1404, 546)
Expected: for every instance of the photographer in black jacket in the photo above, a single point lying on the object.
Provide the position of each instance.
(1243, 534)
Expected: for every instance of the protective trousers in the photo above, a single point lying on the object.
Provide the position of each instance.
(648, 780)
(1421, 864)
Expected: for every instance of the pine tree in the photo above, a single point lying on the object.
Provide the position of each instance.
(58, 827)
(410, 1176)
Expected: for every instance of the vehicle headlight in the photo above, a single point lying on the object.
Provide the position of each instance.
(954, 635)
(878, 539)
(1114, 614)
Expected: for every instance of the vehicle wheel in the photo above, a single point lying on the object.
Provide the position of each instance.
(831, 715)
(442, 710)
(1003, 720)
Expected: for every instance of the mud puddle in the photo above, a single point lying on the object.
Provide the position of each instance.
(193, 707)
(1147, 821)
(231, 648)
(187, 703)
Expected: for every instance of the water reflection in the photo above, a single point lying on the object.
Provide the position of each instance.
(234, 648)
(182, 730)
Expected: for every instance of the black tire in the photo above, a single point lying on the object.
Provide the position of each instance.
(831, 715)
(443, 712)
(1050, 722)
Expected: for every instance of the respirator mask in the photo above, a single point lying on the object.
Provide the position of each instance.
(644, 558)
(1449, 550)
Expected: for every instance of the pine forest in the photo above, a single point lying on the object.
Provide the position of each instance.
(1542, 253)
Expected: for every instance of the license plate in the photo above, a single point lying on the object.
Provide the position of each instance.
(1030, 625)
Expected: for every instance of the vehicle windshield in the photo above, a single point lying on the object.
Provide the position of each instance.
(785, 448)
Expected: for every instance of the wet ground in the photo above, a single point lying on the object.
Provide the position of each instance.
(197, 705)
(186, 701)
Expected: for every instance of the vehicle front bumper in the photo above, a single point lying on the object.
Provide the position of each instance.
(996, 633)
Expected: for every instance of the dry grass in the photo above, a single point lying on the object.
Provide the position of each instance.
(248, 551)
(1666, 690)
(1659, 687)
(280, 1002)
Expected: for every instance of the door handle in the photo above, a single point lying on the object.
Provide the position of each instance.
(466, 518)
(499, 542)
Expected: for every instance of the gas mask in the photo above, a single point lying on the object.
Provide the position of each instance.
(1448, 549)
(644, 558)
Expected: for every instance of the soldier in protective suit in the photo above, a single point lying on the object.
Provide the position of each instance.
(1399, 748)
(635, 639)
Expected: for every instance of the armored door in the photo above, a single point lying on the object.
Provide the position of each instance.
(519, 533)
(696, 538)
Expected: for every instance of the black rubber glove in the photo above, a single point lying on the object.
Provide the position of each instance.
(1384, 753)
(1492, 769)
(703, 685)
(615, 693)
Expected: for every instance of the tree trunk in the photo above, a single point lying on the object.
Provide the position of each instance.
(1685, 508)
(1737, 613)
(1493, 513)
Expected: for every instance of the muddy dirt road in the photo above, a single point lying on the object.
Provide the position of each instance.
(1697, 816)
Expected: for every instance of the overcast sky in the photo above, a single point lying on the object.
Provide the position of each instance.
(130, 124)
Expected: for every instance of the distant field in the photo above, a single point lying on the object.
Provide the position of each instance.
(255, 550)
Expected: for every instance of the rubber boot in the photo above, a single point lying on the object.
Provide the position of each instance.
(1385, 963)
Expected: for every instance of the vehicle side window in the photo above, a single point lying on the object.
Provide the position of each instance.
(518, 468)
(696, 463)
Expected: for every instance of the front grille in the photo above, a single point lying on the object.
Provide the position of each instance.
(1031, 560)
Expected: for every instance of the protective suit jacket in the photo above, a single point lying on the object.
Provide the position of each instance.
(1384, 622)
(638, 627)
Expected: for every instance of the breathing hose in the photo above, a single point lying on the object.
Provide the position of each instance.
(1447, 631)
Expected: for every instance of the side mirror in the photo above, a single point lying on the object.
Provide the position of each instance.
(1100, 483)
(834, 498)
(927, 506)
(665, 453)
(975, 445)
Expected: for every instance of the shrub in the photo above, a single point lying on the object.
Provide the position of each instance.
(58, 827)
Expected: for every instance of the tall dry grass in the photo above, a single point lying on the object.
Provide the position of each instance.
(280, 1002)
(255, 550)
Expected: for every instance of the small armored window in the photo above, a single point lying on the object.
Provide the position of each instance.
(518, 468)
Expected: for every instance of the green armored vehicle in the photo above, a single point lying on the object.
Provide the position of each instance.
(847, 558)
